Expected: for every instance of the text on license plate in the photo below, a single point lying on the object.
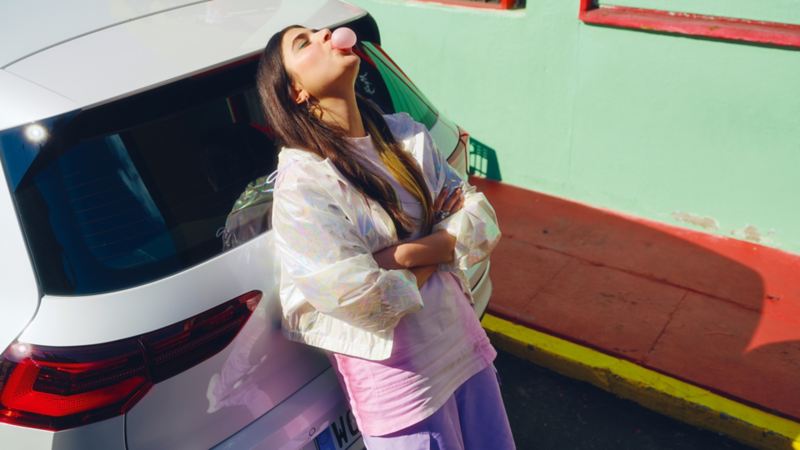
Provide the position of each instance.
(342, 434)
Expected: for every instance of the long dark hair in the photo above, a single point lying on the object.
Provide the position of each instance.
(295, 126)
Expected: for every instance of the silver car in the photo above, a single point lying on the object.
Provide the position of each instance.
(140, 306)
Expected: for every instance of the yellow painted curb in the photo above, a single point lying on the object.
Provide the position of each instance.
(656, 391)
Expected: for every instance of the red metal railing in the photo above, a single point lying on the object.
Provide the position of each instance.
(726, 28)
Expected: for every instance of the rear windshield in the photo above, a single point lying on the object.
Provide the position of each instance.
(147, 186)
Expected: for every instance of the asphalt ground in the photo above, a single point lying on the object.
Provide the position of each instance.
(549, 411)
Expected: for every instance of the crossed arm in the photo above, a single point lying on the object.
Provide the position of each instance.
(422, 256)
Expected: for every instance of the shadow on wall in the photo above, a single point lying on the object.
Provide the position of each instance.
(483, 161)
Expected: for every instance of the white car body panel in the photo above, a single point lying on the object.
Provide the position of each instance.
(117, 315)
(20, 292)
(296, 421)
(256, 372)
(31, 102)
(153, 50)
(106, 435)
(64, 21)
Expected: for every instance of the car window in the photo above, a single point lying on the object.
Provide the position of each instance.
(141, 188)
(149, 185)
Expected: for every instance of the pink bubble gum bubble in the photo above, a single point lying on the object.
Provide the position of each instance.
(343, 38)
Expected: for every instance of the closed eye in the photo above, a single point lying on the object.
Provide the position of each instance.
(300, 41)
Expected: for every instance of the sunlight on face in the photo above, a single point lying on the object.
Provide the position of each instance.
(315, 66)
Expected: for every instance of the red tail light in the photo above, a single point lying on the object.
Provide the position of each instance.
(56, 388)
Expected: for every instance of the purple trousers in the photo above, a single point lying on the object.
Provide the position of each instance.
(473, 418)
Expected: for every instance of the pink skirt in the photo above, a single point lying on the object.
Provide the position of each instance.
(473, 418)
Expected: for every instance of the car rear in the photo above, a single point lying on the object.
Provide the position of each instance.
(130, 321)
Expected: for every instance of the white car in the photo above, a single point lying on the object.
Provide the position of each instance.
(139, 306)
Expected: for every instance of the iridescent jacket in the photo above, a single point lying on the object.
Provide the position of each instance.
(333, 293)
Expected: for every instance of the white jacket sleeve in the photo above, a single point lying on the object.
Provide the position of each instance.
(474, 225)
(322, 251)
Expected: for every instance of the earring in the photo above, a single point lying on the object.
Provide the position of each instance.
(314, 109)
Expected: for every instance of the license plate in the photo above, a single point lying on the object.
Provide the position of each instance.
(342, 434)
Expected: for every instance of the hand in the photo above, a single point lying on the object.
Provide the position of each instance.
(446, 204)
(423, 273)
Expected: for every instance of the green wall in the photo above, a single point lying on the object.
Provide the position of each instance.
(697, 133)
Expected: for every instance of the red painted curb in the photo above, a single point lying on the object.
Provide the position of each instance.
(717, 312)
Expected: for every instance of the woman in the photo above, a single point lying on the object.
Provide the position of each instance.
(372, 266)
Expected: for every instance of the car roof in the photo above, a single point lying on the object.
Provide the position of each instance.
(58, 56)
